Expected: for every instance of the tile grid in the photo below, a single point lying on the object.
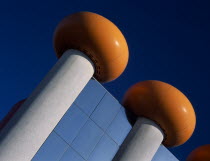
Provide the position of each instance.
(94, 108)
(68, 147)
(89, 118)
(63, 141)
(104, 132)
(111, 124)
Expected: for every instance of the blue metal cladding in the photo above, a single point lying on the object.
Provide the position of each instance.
(92, 129)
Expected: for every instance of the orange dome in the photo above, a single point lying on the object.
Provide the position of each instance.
(97, 37)
(202, 153)
(165, 105)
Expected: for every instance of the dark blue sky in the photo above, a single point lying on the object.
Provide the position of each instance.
(168, 41)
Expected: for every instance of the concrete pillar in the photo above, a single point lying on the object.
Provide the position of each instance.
(142, 142)
(168, 107)
(40, 113)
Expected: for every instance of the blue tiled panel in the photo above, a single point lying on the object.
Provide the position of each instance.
(52, 149)
(87, 139)
(120, 127)
(163, 154)
(90, 96)
(71, 123)
(91, 130)
(105, 150)
(71, 155)
(102, 115)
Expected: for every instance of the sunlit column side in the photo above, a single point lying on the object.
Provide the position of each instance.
(40, 113)
(142, 142)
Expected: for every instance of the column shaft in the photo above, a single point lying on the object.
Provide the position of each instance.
(40, 113)
(141, 143)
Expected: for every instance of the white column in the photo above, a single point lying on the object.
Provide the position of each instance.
(40, 113)
(142, 142)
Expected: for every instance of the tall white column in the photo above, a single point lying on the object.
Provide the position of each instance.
(40, 113)
(142, 142)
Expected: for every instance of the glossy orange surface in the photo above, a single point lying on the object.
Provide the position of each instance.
(97, 37)
(202, 153)
(165, 105)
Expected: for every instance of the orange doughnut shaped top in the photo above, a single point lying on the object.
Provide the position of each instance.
(98, 38)
(165, 105)
(202, 153)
